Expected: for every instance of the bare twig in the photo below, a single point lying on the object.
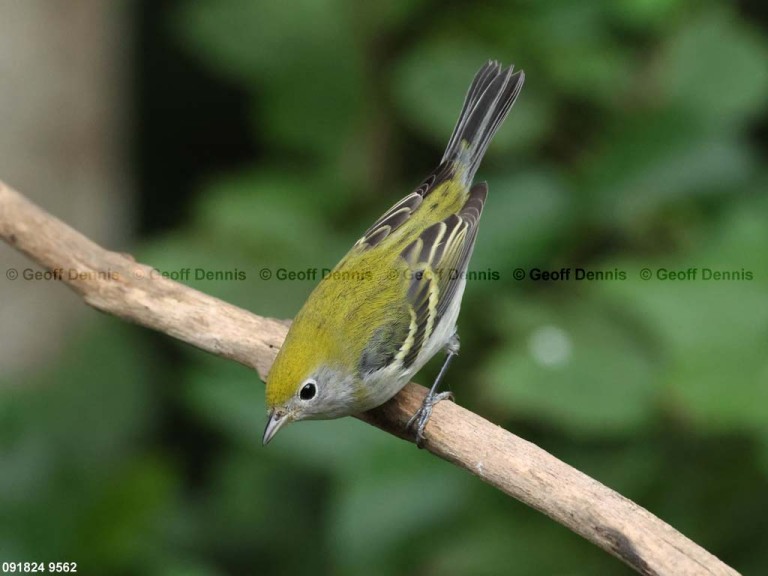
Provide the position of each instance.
(116, 284)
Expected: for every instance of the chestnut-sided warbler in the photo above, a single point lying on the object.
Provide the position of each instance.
(392, 302)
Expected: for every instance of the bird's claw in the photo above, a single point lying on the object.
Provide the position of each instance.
(420, 419)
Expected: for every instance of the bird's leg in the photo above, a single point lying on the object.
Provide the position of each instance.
(421, 417)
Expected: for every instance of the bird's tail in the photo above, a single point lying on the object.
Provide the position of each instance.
(491, 95)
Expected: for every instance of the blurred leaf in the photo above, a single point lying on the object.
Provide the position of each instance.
(597, 72)
(577, 365)
(763, 443)
(229, 395)
(507, 535)
(651, 162)
(102, 385)
(130, 509)
(376, 18)
(312, 93)
(249, 39)
(87, 420)
(256, 513)
(567, 48)
(387, 501)
(579, 55)
(715, 477)
(714, 344)
(630, 467)
(269, 211)
(647, 15)
(714, 69)
(526, 212)
(315, 109)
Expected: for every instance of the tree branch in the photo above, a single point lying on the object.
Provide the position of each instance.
(116, 284)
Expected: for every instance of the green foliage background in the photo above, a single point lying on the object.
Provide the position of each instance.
(639, 141)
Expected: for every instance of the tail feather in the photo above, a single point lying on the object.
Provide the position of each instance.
(490, 96)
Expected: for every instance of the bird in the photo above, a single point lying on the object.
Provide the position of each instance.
(392, 302)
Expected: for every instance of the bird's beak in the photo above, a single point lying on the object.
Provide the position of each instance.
(274, 423)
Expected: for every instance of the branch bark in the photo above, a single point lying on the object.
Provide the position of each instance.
(116, 284)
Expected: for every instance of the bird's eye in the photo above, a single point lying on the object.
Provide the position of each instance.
(308, 391)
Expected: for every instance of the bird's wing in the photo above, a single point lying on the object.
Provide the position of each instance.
(399, 214)
(437, 261)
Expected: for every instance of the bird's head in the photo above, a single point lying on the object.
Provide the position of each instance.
(304, 385)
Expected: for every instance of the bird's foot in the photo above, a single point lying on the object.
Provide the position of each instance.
(419, 420)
